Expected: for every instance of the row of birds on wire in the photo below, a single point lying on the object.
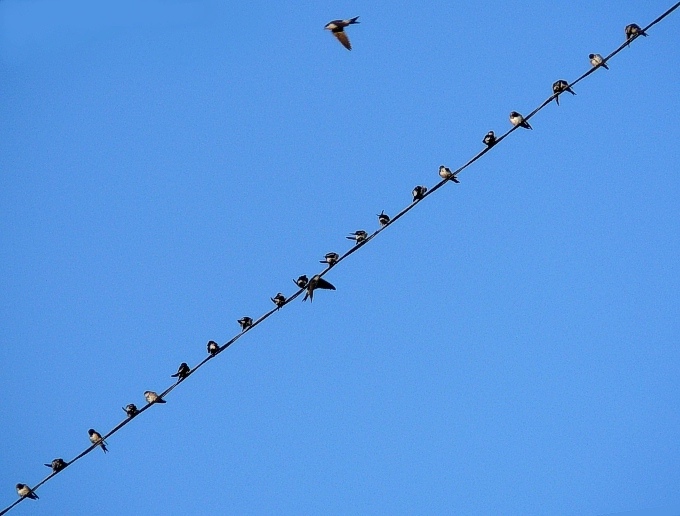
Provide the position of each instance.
(307, 285)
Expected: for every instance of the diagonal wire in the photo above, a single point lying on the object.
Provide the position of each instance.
(352, 250)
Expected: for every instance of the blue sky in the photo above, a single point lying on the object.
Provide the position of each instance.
(509, 347)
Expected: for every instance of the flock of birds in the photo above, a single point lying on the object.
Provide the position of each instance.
(317, 282)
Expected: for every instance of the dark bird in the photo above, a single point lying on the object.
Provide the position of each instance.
(213, 347)
(26, 492)
(316, 282)
(596, 60)
(57, 465)
(331, 259)
(359, 236)
(96, 438)
(633, 31)
(383, 218)
(152, 397)
(337, 27)
(419, 192)
(301, 281)
(182, 372)
(518, 120)
(560, 87)
(245, 322)
(490, 139)
(445, 173)
(131, 410)
(279, 300)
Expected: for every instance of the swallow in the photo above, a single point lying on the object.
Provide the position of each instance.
(301, 281)
(560, 87)
(279, 300)
(445, 173)
(359, 236)
(26, 492)
(152, 397)
(331, 259)
(316, 282)
(182, 372)
(213, 347)
(131, 410)
(419, 192)
(596, 60)
(632, 31)
(383, 218)
(57, 465)
(96, 438)
(245, 322)
(337, 27)
(518, 120)
(490, 139)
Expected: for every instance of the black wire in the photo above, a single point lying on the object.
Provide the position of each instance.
(340, 259)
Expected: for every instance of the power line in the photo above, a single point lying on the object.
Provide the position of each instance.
(342, 257)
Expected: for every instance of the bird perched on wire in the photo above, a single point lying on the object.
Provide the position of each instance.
(596, 60)
(131, 410)
(26, 492)
(301, 281)
(182, 372)
(337, 27)
(445, 173)
(419, 192)
(316, 282)
(383, 219)
(331, 259)
(490, 139)
(213, 347)
(279, 300)
(633, 31)
(518, 120)
(359, 236)
(560, 87)
(96, 438)
(152, 397)
(57, 465)
(245, 322)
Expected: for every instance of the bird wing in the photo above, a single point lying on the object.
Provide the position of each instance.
(322, 283)
(342, 38)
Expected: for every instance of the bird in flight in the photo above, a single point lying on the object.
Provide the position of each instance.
(337, 27)
(314, 283)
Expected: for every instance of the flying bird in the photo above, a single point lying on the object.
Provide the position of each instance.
(279, 300)
(245, 322)
(213, 347)
(152, 397)
(383, 218)
(316, 282)
(490, 139)
(445, 173)
(301, 281)
(419, 192)
(131, 410)
(560, 87)
(57, 465)
(96, 438)
(359, 236)
(26, 492)
(331, 259)
(337, 27)
(182, 372)
(596, 60)
(518, 120)
(632, 31)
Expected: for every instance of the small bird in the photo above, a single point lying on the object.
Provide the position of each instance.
(316, 282)
(131, 410)
(518, 120)
(26, 492)
(490, 139)
(245, 322)
(383, 218)
(301, 281)
(213, 347)
(560, 87)
(596, 60)
(182, 372)
(445, 173)
(419, 192)
(96, 438)
(152, 397)
(337, 27)
(632, 31)
(279, 300)
(57, 465)
(331, 259)
(359, 236)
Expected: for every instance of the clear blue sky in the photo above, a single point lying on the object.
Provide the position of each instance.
(509, 347)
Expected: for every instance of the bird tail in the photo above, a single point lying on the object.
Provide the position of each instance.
(354, 20)
(604, 65)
